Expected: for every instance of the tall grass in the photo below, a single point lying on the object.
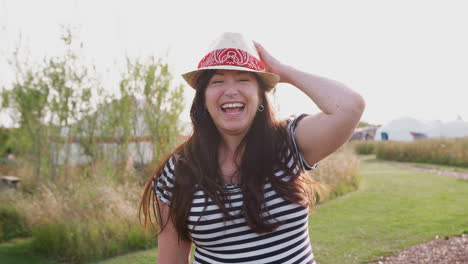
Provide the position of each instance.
(86, 218)
(452, 152)
(81, 219)
(365, 147)
(338, 174)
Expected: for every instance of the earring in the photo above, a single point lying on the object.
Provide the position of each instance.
(261, 108)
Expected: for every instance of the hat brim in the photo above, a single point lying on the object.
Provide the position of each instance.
(269, 79)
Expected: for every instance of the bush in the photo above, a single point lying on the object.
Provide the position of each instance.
(12, 225)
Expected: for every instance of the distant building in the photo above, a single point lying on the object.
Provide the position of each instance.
(140, 141)
(364, 133)
(409, 129)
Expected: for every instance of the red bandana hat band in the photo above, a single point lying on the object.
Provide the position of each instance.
(232, 51)
(232, 57)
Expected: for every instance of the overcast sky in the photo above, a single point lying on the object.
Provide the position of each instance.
(407, 58)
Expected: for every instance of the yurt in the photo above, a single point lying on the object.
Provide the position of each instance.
(409, 129)
(401, 129)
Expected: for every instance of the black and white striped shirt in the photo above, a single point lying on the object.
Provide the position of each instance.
(219, 241)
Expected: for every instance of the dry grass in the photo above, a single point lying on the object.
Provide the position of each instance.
(83, 217)
(452, 152)
(338, 173)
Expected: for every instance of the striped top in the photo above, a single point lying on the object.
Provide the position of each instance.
(219, 241)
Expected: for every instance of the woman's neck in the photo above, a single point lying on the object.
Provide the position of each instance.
(229, 144)
(229, 158)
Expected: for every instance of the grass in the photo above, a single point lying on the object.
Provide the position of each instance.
(372, 158)
(393, 209)
(18, 251)
(444, 151)
(80, 222)
(141, 257)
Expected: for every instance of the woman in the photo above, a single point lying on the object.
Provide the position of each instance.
(237, 188)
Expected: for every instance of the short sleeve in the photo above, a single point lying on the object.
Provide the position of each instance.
(163, 184)
(291, 126)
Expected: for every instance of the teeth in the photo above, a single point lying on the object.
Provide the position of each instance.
(234, 105)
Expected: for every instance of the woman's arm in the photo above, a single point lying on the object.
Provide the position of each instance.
(341, 108)
(171, 250)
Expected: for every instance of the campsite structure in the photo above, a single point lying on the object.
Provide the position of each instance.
(409, 129)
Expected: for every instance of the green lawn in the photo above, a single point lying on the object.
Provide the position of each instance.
(393, 208)
(371, 158)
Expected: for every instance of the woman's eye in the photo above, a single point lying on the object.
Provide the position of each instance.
(215, 82)
(244, 80)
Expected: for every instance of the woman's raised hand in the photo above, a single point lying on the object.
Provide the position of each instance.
(272, 64)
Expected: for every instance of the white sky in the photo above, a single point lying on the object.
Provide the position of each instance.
(406, 57)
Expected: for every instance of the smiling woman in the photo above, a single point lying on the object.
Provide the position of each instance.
(237, 188)
(232, 99)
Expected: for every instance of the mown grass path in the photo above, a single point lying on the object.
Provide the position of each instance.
(393, 209)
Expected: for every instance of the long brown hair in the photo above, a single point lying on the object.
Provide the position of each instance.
(195, 166)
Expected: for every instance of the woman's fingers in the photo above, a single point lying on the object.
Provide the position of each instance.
(271, 63)
(264, 55)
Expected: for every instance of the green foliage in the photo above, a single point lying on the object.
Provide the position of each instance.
(452, 152)
(47, 97)
(59, 104)
(61, 101)
(6, 141)
(152, 82)
(12, 225)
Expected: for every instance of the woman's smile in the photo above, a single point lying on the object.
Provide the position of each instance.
(232, 108)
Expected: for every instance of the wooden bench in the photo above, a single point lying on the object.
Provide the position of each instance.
(10, 181)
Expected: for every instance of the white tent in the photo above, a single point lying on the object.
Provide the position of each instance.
(402, 129)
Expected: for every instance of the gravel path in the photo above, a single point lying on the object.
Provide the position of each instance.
(446, 250)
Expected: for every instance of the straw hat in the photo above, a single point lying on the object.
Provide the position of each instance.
(232, 51)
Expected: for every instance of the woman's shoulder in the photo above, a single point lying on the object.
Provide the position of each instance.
(292, 150)
(163, 181)
(293, 120)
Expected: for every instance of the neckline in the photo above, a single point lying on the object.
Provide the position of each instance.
(231, 185)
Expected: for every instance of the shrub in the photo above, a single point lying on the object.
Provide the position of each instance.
(12, 225)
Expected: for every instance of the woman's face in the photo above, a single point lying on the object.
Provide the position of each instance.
(232, 99)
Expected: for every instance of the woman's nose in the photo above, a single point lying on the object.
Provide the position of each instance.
(231, 90)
